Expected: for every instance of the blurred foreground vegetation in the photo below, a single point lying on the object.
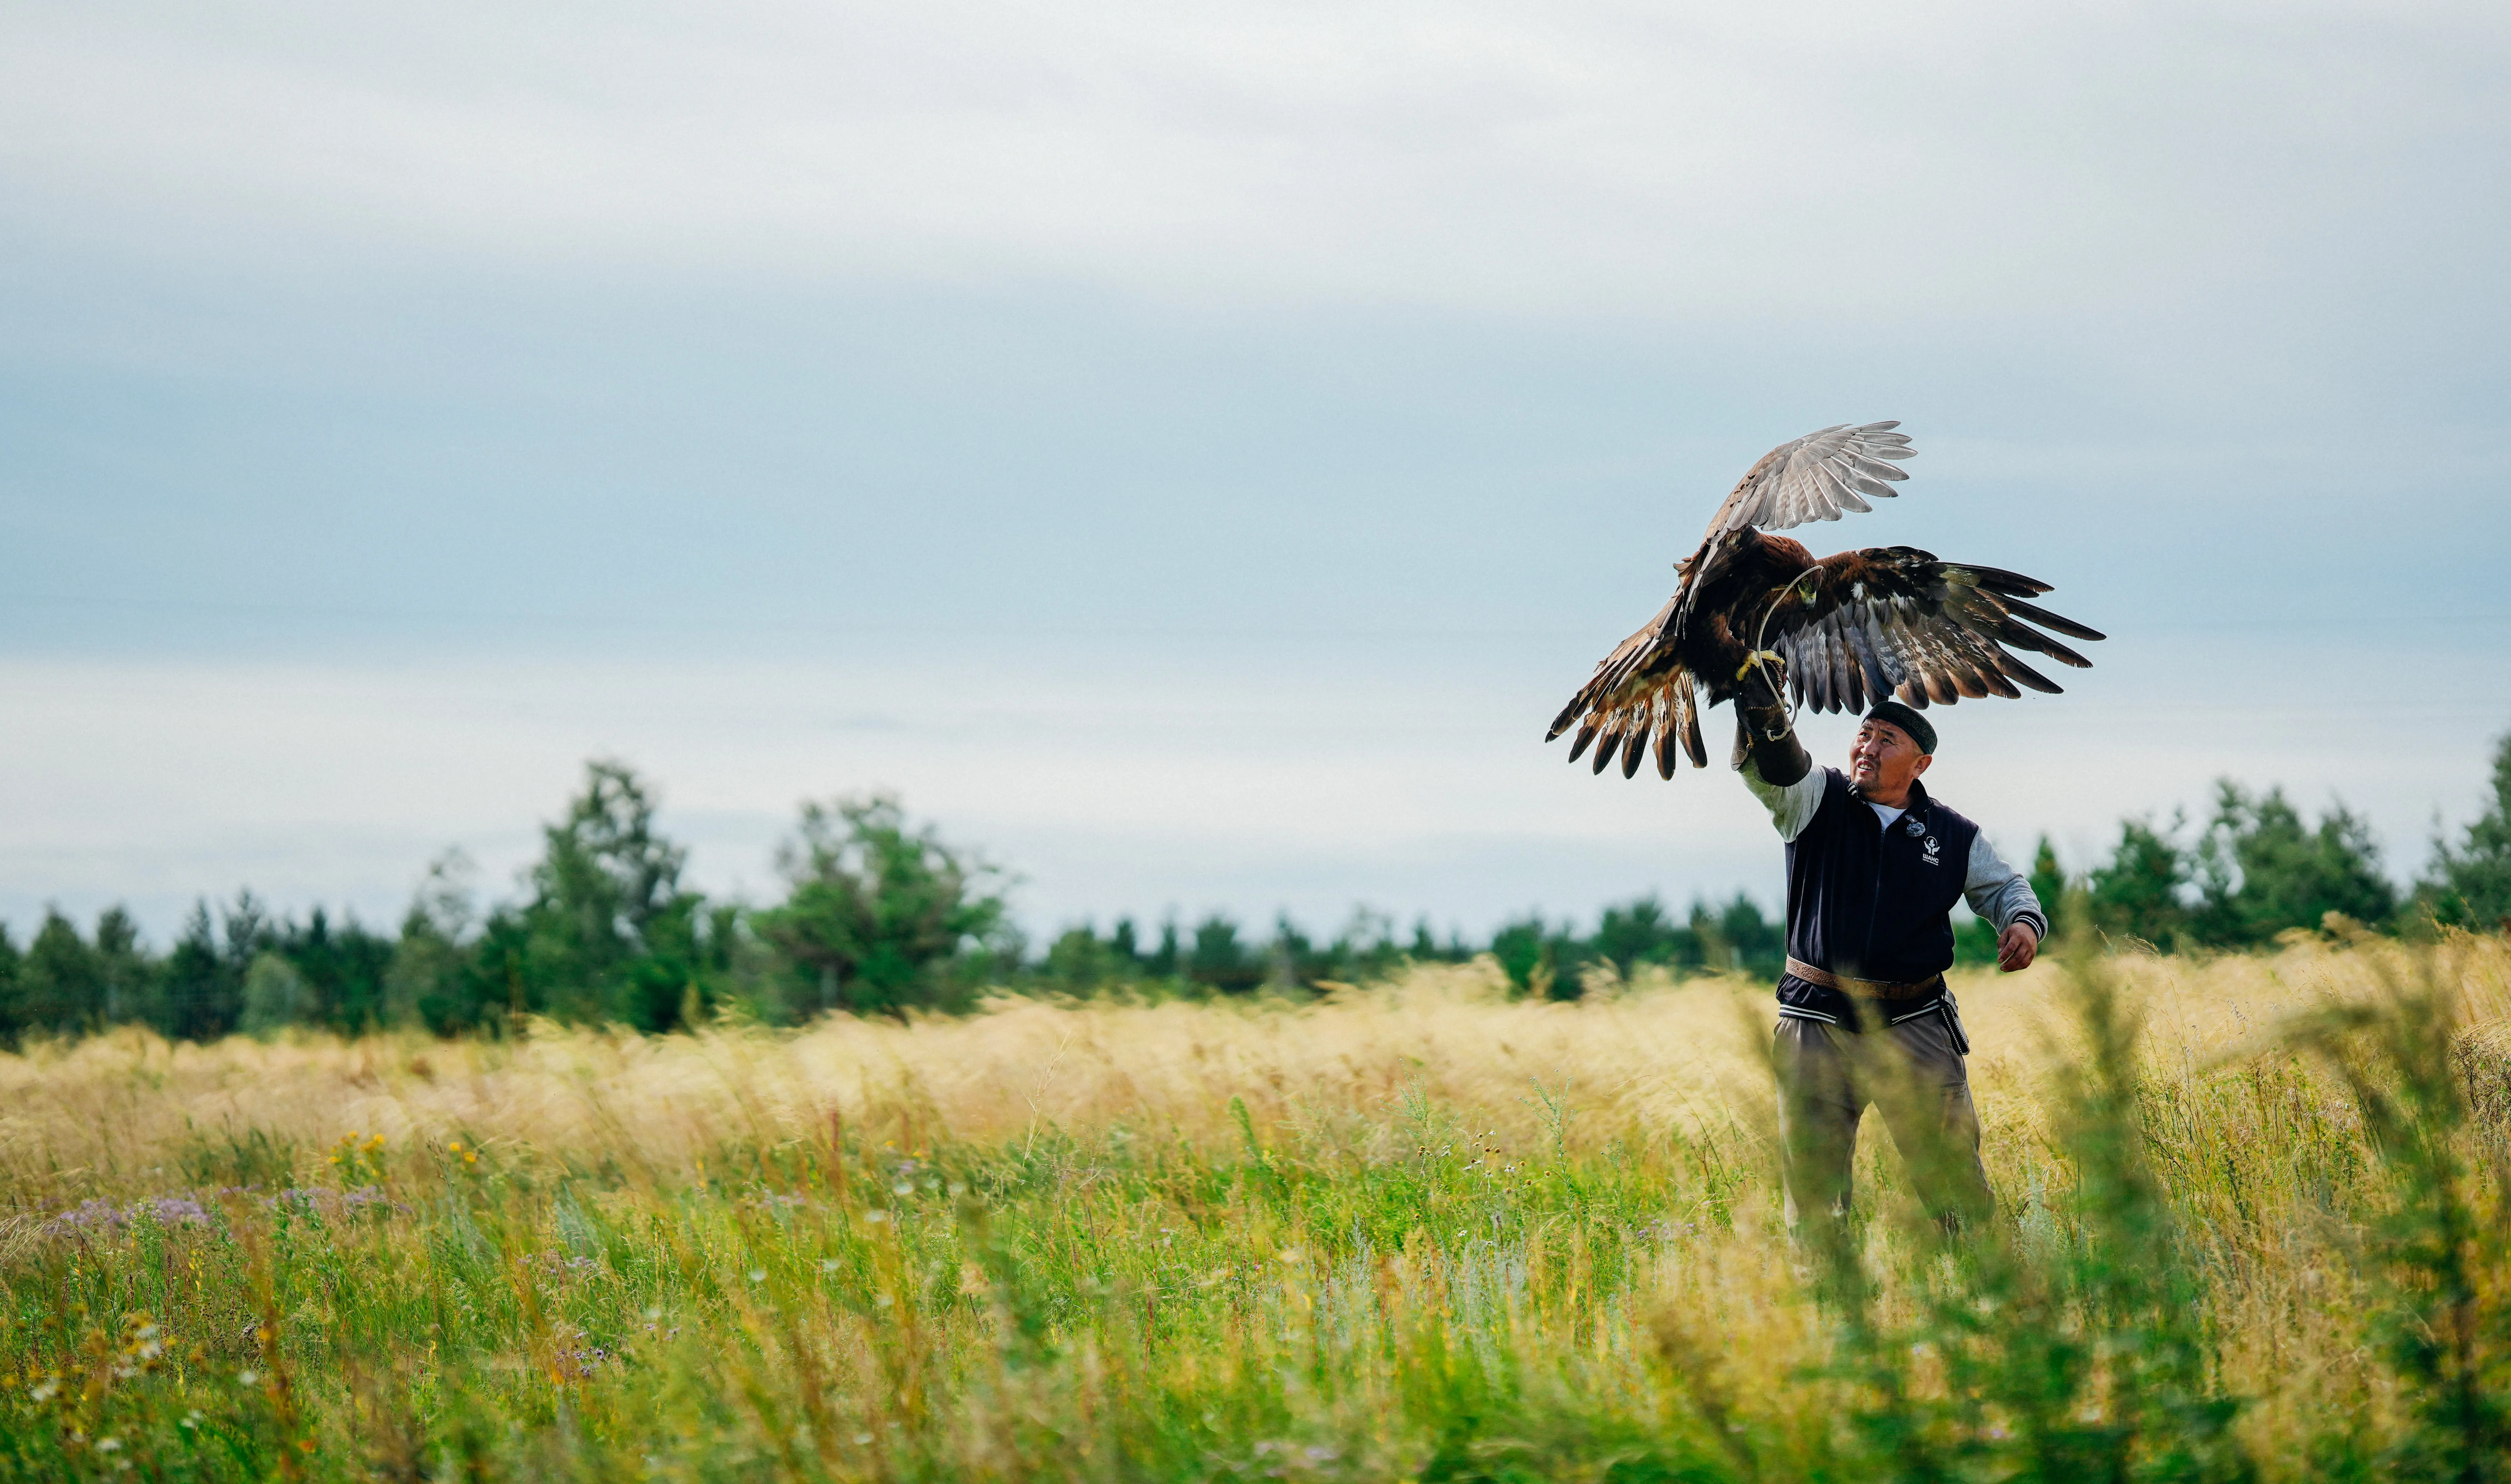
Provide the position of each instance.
(2253, 1226)
(881, 915)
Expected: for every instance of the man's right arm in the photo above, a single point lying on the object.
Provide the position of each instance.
(1776, 767)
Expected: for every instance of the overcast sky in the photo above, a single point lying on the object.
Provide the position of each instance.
(1190, 451)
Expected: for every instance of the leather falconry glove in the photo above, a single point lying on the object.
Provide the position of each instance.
(1763, 730)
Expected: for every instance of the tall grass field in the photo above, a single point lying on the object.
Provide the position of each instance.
(2254, 1225)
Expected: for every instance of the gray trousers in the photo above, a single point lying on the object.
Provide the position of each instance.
(1913, 1074)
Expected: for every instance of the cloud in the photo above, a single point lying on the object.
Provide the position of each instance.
(407, 404)
(1991, 164)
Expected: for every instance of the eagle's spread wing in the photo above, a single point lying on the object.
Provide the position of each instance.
(1894, 620)
(1640, 690)
(1816, 478)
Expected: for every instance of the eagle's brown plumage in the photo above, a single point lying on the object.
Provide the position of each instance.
(1853, 629)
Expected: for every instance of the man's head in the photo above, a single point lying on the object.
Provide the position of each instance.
(1894, 744)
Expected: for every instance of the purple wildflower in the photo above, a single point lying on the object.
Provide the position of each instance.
(97, 1214)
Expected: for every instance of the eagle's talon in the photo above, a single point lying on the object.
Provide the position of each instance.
(1752, 661)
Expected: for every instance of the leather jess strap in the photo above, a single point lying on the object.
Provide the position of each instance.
(1866, 989)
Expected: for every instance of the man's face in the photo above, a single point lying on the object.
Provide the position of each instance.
(1883, 760)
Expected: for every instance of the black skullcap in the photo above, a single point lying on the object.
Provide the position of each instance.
(1906, 718)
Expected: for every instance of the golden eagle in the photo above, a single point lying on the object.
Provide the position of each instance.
(1846, 630)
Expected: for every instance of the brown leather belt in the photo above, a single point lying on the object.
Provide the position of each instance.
(1864, 989)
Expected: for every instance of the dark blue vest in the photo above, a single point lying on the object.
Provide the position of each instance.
(1872, 902)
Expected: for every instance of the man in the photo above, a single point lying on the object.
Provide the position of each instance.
(1874, 864)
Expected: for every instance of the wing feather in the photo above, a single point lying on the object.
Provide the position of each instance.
(1887, 620)
(1810, 678)
(2028, 675)
(1851, 663)
(1984, 656)
(2047, 619)
(1639, 662)
(1818, 477)
(1640, 694)
(1979, 656)
(1604, 751)
(1872, 649)
(1842, 664)
(2008, 584)
(2021, 636)
(1813, 680)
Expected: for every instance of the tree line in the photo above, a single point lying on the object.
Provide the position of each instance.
(881, 915)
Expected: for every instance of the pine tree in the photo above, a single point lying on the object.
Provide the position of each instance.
(2139, 891)
(2470, 883)
(131, 990)
(203, 998)
(2260, 871)
(61, 983)
(12, 1013)
(2048, 881)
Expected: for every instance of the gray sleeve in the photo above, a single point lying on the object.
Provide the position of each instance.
(1999, 893)
(1792, 806)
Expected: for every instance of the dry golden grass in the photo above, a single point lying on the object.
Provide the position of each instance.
(99, 1115)
(1580, 1194)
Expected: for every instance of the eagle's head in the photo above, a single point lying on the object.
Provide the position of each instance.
(1788, 550)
